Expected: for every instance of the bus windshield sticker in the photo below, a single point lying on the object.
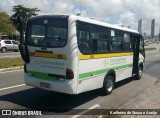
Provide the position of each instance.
(45, 21)
(112, 33)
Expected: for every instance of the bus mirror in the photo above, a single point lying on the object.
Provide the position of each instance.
(20, 20)
(24, 52)
(22, 46)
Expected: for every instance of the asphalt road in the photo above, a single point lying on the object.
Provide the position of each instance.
(22, 96)
(9, 54)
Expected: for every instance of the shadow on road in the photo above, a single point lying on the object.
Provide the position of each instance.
(48, 101)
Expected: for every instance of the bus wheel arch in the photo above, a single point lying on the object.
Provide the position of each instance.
(108, 83)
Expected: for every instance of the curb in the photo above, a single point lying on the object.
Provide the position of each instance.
(9, 69)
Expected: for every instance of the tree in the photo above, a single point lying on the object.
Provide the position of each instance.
(6, 26)
(25, 13)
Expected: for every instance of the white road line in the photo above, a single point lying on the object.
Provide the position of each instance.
(12, 87)
(12, 71)
(85, 111)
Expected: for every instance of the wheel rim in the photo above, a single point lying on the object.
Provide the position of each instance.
(3, 49)
(109, 85)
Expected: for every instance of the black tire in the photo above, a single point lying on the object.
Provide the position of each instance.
(108, 85)
(4, 49)
(140, 71)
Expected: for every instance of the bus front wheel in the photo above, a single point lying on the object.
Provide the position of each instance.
(108, 85)
(140, 71)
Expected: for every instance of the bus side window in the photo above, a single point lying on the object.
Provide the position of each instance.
(116, 46)
(84, 47)
(127, 42)
(83, 37)
(103, 46)
(84, 42)
(94, 37)
(117, 38)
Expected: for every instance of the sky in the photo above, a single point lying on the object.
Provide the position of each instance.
(126, 12)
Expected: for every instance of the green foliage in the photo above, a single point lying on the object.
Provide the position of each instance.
(25, 13)
(11, 62)
(6, 26)
(150, 49)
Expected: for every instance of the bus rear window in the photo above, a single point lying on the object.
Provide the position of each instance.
(50, 33)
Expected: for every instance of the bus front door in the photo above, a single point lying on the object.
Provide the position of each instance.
(136, 43)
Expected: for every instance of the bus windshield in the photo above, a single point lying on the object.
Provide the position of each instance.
(49, 33)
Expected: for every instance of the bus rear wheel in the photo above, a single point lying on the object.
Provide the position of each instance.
(108, 85)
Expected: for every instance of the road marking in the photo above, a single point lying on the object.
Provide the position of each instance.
(12, 87)
(12, 71)
(85, 111)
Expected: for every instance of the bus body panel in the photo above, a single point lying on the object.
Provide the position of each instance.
(89, 69)
(125, 71)
(43, 65)
(123, 74)
(92, 71)
(40, 67)
(91, 83)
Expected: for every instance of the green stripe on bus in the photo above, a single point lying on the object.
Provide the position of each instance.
(43, 76)
(103, 71)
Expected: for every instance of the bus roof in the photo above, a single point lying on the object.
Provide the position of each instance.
(87, 20)
(96, 22)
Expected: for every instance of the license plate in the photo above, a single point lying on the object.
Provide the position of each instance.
(45, 85)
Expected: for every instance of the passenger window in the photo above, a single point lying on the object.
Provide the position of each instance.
(116, 46)
(7, 42)
(103, 46)
(127, 46)
(84, 42)
(116, 42)
(93, 39)
(14, 42)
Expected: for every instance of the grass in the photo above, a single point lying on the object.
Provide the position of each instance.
(150, 49)
(11, 62)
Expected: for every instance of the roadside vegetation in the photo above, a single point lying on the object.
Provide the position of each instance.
(150, 49)
(11, 62)
(9, 24)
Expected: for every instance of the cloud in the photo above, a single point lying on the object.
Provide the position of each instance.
(126, 12)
